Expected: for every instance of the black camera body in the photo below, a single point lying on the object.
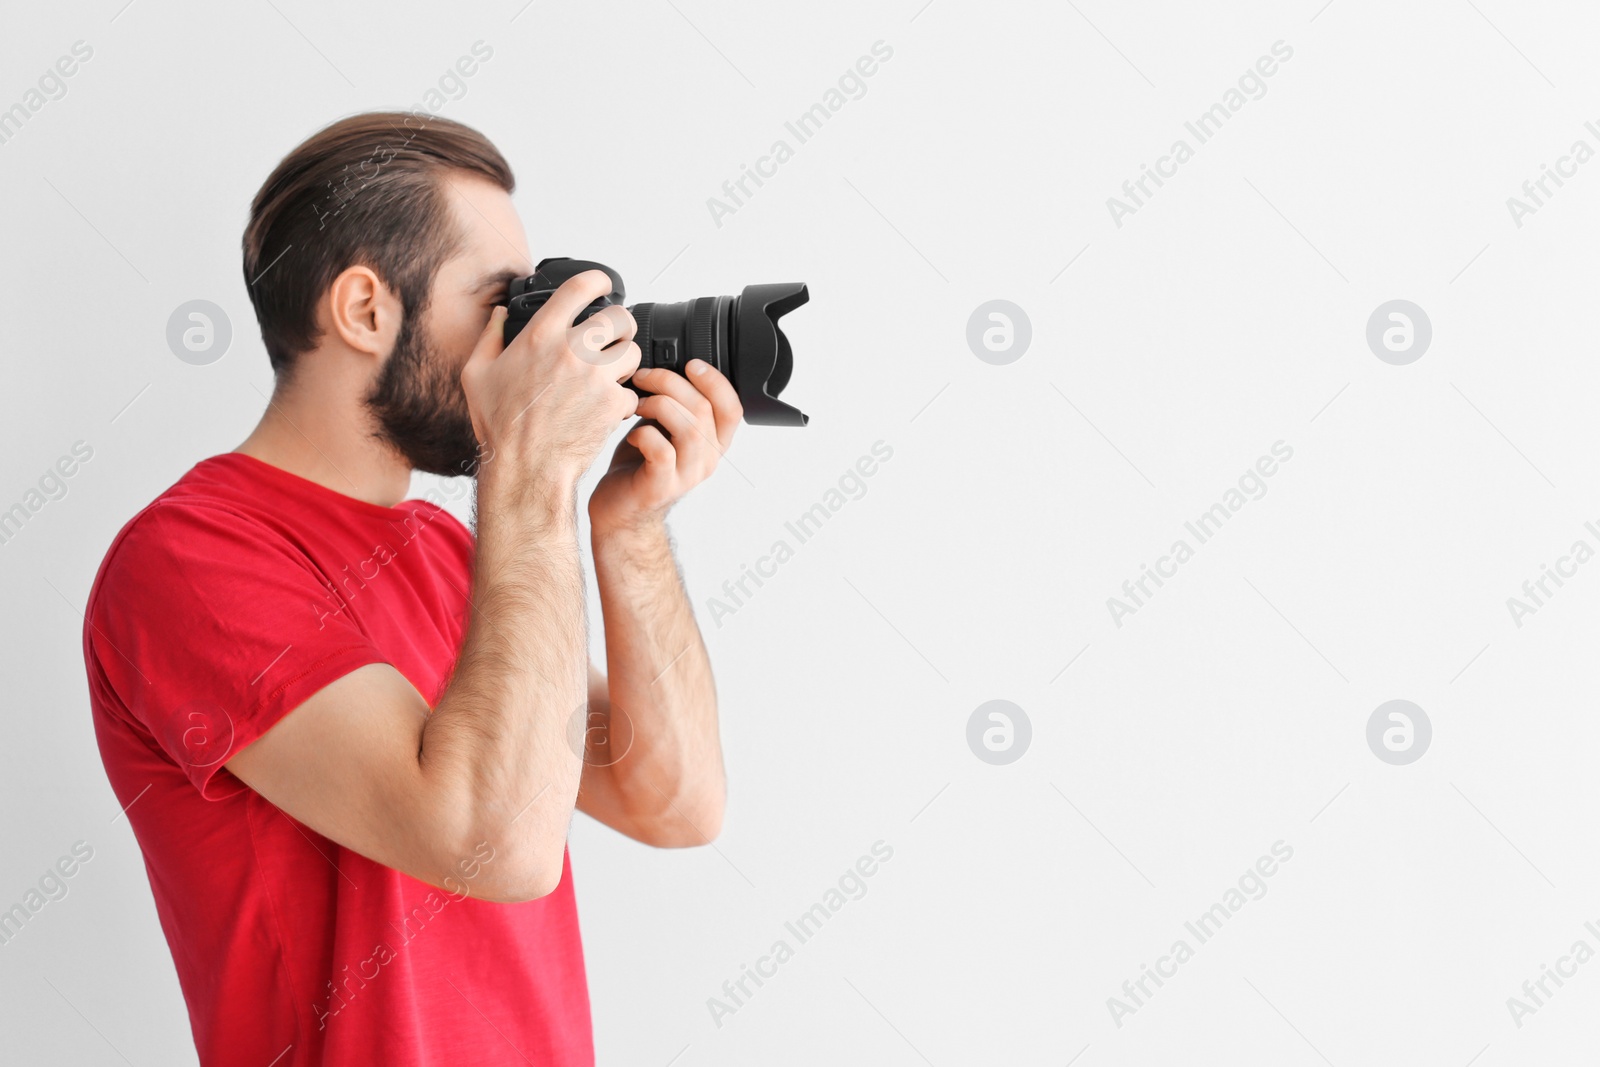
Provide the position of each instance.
(738, 335)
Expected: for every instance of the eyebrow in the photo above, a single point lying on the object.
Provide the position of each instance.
(496, 279)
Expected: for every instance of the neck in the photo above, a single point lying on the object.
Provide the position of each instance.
(323, 433)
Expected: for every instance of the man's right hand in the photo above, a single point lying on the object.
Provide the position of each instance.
(543, 407)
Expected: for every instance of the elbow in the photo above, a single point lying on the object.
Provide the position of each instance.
(507, 874)
(535, 887)
(532, 875)
(688, 822)
(520, 887)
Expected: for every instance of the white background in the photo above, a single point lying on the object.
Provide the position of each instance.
(1227, 314)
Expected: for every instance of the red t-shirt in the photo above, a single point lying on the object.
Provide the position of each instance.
(241, 591)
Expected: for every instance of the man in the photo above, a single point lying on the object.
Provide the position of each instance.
(349, 737)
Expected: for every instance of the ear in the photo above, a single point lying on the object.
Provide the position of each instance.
(363, 312)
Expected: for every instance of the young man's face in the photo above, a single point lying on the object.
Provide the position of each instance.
(418, 400)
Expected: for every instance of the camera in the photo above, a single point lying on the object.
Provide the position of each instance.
(738, 335)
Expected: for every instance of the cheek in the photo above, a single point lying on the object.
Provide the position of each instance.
(455, 338)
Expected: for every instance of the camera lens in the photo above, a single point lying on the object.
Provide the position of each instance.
(670, 335)
(738, 335)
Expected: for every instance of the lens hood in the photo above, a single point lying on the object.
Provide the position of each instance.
(763, 359)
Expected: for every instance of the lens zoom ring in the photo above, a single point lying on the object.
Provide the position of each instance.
(703, 330)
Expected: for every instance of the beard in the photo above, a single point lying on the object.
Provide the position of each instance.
(420, 407)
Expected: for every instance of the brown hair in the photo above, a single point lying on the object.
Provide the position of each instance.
(367, 189)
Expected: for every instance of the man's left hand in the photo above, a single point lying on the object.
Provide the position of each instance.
(652, 469)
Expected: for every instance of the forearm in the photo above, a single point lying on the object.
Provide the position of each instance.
(662, 696)
(495, 747)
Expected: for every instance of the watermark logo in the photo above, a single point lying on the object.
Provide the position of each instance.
(601, 737)
(350, 981)
(1399, 732)
(452, 84)
(595, 340)
(1536, 991)
(1136, 993)
(52, 485)
(1399, 332)
(999, 732)
(199, 332)
(851, 485)
(998, 332)
(1536, 192)
(1251, 485)
(339, 597)
(205, 733)
(851, 885)
(52, 886)
(52, 85)
(1536, 591)
(852, 85)
(1252, 85)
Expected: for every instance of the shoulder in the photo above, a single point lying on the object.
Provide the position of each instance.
(180, 548)
(200, 509)
(191, 529)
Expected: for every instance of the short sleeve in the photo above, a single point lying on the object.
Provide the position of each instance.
(209, 627)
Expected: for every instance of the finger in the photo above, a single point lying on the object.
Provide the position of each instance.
(623, 361)
(666, 383)
(491, 342)
(627, 404)
(589, 338)
(658, 453)
(687, 432)
(717, 411)
(575, 294)
(725, 406)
